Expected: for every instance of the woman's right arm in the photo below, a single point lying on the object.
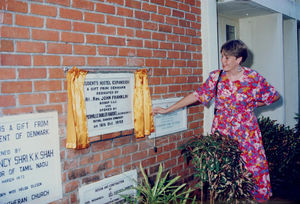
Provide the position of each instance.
(187, 100)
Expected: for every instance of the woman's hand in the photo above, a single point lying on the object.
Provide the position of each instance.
(159, 110)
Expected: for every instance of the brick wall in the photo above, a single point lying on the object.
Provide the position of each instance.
(41, 37)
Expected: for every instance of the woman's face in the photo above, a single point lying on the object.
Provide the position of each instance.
(230, 63)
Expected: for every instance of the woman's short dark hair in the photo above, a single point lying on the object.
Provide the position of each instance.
(235, 48)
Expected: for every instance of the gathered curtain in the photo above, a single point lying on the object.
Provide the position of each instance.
(142, 107)
(77, 133)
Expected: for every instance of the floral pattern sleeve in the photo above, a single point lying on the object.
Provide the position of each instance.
(265, 92)
(207, 90)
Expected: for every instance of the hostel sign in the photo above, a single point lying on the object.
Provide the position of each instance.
(109, 102)
(30, 159)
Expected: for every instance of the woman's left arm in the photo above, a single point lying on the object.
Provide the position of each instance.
(259, 104)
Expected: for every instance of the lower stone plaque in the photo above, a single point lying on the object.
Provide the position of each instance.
(109, 190)
(30, 169)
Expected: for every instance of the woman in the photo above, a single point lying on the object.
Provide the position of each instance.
(240, 91)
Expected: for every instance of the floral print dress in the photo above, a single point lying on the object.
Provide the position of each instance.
(235, 103)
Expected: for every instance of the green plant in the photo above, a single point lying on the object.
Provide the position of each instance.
(163, 191)
(281, 145)
(219, 166)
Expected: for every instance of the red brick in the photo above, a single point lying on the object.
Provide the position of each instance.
(168, 80)
(7, 73)
(111, 153)
(84, 50)
(46, 108)
(31, 21)
(33, 73)
(115, 20)
(83, 4)
(161, 90)
(151, 44)
(133, 23)
(73, 60)
(167, 63)
(94, 17)
(139, 155)
(152, 62)
(57, 48)
(13, 5)
(58, 24)
(47, 60)
(113, 172)
(71, 186)
(149, 162)
(127, 52)
(133, 4)
(96, 39)
(168, 46)
(116, 41)
(110, 135)
(117, 61)
(70, 14)
(157, 18)
(97, 61)
(113, 51)
(174, 38)
(124, 12)
(144, 53)
(142, 15)
(137, 62)
(178, 30)
(22, 60)
(16, 87)
(99, 167)
(30, 99)
(89, 159)
(45, 35)
(120, 2)
(6, 18)
(7, 46)
(30, 47)
(53, 85)
(134, 43)
(173, 21)
(43, 10)
(56, 73)
(143, 34)
(13, 32)
(122, 161)
(72, 37)
(129, 149)
(125, 32)
(15, 111)
(109, 30)
(158, 36)
(84, 27)
(7, 100)
(173, 54)
(149, 7)
(159, 53)
(164, 10)
(60, 2)
(103, 8)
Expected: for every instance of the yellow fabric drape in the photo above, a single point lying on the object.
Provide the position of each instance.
(77, 134)
(142, 107)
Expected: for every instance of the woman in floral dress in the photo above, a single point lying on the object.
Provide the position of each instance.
(240, 91)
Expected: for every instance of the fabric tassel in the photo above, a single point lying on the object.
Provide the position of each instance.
(142, 106)
(77, 133)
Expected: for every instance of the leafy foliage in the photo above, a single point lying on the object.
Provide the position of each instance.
(282, 148)
(163, 190)
(218, 164)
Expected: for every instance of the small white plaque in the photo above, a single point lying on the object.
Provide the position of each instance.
(109, 190)
(109, 102)
(30, 169)
(169, 123)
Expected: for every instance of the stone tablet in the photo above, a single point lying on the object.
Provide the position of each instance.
(109, 190)
(30, 169)
(169, 123)
(109, 102)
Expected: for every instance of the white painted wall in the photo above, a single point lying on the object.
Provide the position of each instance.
(263, 35)
(209, 50)
(291, 84)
